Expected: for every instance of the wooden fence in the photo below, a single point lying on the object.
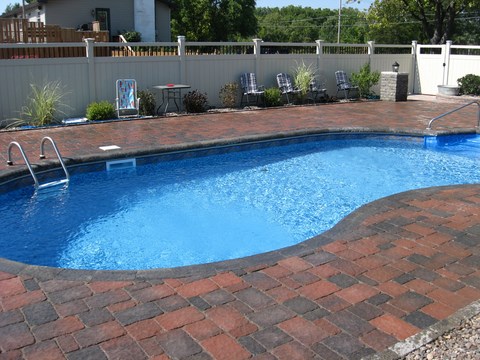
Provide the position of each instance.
(14, 31)
(23, 31)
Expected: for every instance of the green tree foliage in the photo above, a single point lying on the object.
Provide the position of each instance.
(11, 7)
(428, 21)
(214, 20)
(467, 28)
(304, 24)
(390, 23)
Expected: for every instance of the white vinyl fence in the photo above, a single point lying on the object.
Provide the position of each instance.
(444, 65)
(209, 66)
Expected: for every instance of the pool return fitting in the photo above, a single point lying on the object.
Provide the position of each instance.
(429, 126)
(39, 186)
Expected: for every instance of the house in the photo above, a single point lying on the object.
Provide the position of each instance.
(149, 17)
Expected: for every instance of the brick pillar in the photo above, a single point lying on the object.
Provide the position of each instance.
(393, 86)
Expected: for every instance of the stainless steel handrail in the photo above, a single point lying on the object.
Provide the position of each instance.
(10, 162)
(42, 154)
(429, 127)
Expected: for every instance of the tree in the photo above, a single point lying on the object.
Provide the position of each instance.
(214, 20)
(467, 29)
(437, 18)
(11, 7)
(390, 23)
(304, 24)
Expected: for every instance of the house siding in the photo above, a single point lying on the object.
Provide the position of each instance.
(162, 22)
(35, 13)
(72, 14)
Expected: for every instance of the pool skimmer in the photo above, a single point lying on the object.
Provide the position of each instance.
(121, 164)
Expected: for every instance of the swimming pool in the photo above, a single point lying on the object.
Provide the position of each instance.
(229, 203)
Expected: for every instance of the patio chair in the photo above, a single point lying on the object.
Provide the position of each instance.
(343, 84)
(248, 82)
(317, 91)
(285, 84)
(127, 102)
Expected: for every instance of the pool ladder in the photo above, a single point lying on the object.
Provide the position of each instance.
(429, 126)
(39, 186)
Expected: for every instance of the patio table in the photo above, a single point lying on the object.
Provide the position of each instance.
(170, 92)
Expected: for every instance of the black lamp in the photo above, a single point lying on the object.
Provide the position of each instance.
(395, 66)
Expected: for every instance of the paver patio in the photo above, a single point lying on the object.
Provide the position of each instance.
(389, 270)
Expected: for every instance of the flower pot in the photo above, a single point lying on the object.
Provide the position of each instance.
(448, 90)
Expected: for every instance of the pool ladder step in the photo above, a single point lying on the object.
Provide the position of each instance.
(39, 186)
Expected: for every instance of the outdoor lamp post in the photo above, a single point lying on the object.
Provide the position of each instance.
(395, 66)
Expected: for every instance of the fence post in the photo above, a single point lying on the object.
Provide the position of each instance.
(414, 64)
(181, 55)
(257, 51)
(92, 86)
(319, 53)
(448, 51)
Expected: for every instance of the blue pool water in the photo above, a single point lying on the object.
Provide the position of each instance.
(222, 206)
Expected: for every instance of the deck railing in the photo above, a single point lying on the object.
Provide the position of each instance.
(16, 31)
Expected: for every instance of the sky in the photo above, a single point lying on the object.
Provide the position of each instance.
(333, 4)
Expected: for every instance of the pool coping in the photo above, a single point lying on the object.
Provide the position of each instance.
(303, 248)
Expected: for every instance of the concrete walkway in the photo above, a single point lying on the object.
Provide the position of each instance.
(387, 272)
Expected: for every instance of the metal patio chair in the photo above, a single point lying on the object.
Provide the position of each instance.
(317, 91)
(343, 84)
(285, 84)
(248, 82)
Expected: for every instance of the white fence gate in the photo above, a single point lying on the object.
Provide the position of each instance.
(444, 65)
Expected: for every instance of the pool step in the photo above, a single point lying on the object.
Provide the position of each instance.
(467, 145)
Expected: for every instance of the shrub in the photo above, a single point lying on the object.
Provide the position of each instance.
(365, 79)
(469, 84)
(273, 97)
(43, 104)
(132, 36)
(228, 94)
(102, 110)
(147, 103)
(195, 102)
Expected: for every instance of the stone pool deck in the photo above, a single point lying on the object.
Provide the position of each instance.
(395, 269)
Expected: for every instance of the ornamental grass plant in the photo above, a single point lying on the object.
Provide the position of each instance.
(43, 104)
(303, 76)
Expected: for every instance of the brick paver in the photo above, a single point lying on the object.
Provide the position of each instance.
(391, 269)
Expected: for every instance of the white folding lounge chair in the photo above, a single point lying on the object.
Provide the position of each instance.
(127, 102)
